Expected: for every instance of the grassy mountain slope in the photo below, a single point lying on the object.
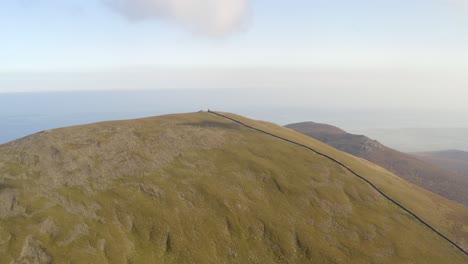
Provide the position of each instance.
(197, 188)
(411, 168)
(455, 161)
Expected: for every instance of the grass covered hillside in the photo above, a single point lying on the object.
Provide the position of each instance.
(198, 188)
(417, 169)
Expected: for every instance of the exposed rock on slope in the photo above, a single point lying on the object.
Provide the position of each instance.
(197, 188)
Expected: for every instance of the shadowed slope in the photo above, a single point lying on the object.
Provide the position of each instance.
(414, 169)
(198, 188)
(455, 161)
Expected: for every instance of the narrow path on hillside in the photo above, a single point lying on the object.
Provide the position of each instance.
(352, 172)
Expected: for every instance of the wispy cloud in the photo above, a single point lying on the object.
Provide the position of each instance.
(213, 17)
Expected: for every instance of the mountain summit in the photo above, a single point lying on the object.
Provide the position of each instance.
(200, 188)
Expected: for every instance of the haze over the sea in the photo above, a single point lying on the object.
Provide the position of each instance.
(22, 114)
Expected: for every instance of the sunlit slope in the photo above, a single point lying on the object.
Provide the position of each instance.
(449, 217)
(418, 170)
(196, 188)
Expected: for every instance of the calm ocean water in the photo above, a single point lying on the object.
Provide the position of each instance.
(22, 114)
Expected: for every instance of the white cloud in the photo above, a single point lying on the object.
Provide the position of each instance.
(213, 17)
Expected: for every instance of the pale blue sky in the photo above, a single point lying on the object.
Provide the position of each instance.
(75, 44)
(49, 35)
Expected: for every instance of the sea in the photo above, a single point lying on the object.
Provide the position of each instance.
(22, 114)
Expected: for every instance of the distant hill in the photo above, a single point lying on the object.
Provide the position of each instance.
(455, 161)
(199, 188)
(414, 169)
(317, 128)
